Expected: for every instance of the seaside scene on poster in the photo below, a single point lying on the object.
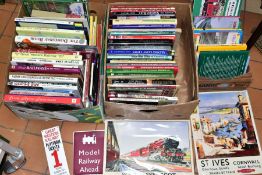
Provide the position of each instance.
(223, 132)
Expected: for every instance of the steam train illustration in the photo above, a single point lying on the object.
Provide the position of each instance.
(162, 150)
(211, 7)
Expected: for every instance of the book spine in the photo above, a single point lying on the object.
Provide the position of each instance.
(144, 26)
(159, 37)
(143, 67)
(23, 55)
(42, 69)
(141, 6)
(48, 52)
(138, 71)
(146, 52)
(143, 10)
(143, 21)
(35, 93)
(50, 40)
(46, 61)
(42, 84)
(41, 99)
(144, 82)
(49, 32)
(43, 78)
(143, 13)
(156, 57)
(162, 86)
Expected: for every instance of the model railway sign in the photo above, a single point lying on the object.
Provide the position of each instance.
(88, 152)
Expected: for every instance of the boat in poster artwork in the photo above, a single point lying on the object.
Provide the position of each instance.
(225, 136)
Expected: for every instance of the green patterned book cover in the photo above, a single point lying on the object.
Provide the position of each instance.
(222, 64)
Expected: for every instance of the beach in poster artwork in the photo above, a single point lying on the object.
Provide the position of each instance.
(142, 147)
(225, 135)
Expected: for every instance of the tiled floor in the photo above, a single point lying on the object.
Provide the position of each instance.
(26, 133)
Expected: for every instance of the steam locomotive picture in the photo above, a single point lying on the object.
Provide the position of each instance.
(162, 150)
(136, 147)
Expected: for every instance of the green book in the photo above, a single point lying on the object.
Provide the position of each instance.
(222, 64)
(139, 71)
(220, 8)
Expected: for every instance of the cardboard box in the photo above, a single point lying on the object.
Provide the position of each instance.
(238, 83)
(187, 76)
(88, 115)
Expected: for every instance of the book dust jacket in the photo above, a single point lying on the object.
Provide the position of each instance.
(148, 148)
(225, 136)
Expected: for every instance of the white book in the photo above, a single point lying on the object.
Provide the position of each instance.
(43, 85)
(35, 78)
(44, 61)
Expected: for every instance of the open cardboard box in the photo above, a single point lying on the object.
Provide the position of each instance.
(187, 76)
(238, 83)
(90, 115)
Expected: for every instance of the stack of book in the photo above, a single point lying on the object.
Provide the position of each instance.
(53, 68)
(218, 39)
(141, 66)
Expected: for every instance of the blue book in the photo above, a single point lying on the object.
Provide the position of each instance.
(144, 52)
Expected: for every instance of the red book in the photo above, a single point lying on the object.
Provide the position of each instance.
(99, 38)
(143, 10)
(140, 6)
(42, 99)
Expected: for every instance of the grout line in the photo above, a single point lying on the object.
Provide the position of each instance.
(9, 20)
(32, 171)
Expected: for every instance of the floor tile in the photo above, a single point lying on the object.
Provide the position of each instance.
(256, 69)
(26, 172)
(14, 137)
(100, 126)
(69, 156)
(256, 105)
(6, 48)
(3, 77)
(36, 126)
(9, 120)
(35, 153)
(10, 28)
(8, 7)
(69, 127)
(4, 18)
(255, 54)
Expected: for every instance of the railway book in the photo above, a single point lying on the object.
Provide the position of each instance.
(225, 137)
(217, 22)
(217, 7)
(222, 64)
(154, 147)
(136, 58)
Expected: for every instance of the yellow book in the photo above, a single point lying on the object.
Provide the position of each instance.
(203, 47)
(91, 33)
(94, 30)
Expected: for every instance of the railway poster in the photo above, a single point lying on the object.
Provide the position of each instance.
(225, 137)
(88, 152)
(148, 148)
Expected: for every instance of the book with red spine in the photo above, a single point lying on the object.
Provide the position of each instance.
(99, 38)
(42, 99)
(143, 10)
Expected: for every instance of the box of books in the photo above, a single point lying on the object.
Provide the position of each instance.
(55, 63)
(149, 61)
(222, 57)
